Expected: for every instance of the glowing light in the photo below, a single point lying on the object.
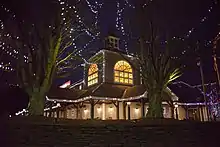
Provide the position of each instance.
(99, 109)
(86, 111)
(136, 110)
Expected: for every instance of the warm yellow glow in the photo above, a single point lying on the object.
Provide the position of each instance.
(110, 109)
(176, 105)
(136, 110)
(129, 103)
(99, 109)
(103, 112)
(123, 73)
(93, 74)
(85, 111)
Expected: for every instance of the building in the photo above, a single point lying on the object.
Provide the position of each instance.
(111, 89)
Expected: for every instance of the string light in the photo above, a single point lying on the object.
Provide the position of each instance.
(128, 4)
(203, 20)
(120, 24)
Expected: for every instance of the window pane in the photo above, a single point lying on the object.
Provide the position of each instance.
(126, 75)
(96, 75)
(116, 79)
(126, 80)
(117, 73)
(93, 74)
(121, 74)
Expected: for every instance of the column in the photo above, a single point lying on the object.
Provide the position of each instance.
(201, 113)
(92, 109)
(187, 113)
(77, 111)
(103, 111)
(124, 110)
(117, 110)
(142, 108)
(65, 113)
(57, 112)
(50, 110)
(129, 110)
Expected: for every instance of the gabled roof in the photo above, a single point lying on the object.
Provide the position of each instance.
(187, 94)
(65, 93)
(134, 91)
(106, 90)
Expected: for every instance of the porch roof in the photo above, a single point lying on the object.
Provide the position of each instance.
(65, 93)
(104, 90)
(187, 94)
(133, 91)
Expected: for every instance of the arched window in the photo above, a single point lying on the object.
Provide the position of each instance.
(93, 74)
(123, 72)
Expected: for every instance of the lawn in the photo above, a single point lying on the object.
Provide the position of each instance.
(40, 131)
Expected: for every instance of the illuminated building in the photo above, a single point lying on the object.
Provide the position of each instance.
(111, 89)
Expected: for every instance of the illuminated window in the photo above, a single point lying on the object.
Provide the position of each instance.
(93, 74)
(123, 73)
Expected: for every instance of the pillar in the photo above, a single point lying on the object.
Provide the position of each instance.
(117, 109)
(187, 112)
(201, 113)
(142, 108)
(77, 111)
(50, 110)
(176, 112)
(124, 110)
(65, 113)
(92, 109)
(129, 112)
(103, 111)
(57, 112)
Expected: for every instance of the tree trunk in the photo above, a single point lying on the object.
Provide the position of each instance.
(36, 104)
(155, 109)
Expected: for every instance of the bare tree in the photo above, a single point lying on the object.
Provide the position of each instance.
(46, 50)
(158, 69)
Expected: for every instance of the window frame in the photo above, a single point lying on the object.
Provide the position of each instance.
(123, 76)
(93, 77)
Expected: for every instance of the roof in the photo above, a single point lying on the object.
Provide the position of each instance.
(112, 90)
(65, 93)
(134, 91)
(187, 94)
(106, 90)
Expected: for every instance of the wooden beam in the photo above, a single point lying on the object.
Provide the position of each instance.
(96, 102)
(117, 109)
(115, 103)
(92, 103)
(143, 107)
(124, 110)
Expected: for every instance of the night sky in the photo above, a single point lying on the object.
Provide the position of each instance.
(175, 18)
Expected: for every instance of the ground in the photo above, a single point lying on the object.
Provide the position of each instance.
(44, 132)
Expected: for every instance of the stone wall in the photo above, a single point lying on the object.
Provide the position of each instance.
(111, 133)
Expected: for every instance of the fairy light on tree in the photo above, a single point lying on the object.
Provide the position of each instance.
(45, 52)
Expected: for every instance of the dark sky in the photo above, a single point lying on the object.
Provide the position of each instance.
(173, 17)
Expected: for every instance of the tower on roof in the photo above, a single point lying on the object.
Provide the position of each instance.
(112, 42)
